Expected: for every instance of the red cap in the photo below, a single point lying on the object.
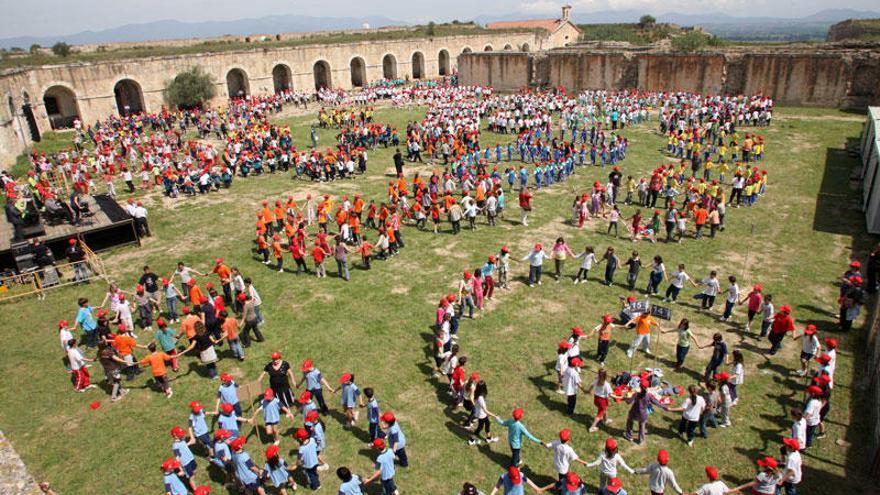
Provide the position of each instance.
(630, 299)
(757, 288)
(185, 310)
(272, 452)
(814, 390)
(63, 323)
(202, 490)
(276, 355)
(178, 432)
(514, 475)
(238, 443)
(824, 359)
(268, 394)
(388, 417)
(823, 379)
(785, 308)
(467, 275)
(614, 485)
(312, 416)
(504, 249)
(610, 443)
(226, 408)
(304, 397)
(170, 464)
(71, 241)
(241, 297)
(572, 481)
(518, 413)
(225, 377)
(565, 435)
(378, 443)
(768, 462)
(810, 330)
(122, 297)
(792, 443)
(160, 322)
(855, 264)
(711, 473)
(722, 376)
(577, 362)
(196, 406)
(475, 377)
(222, 434)
(607, 318)
(538, 247)
(663, 457)
(577, 331)
(307, 365)
(831, 342)
(209, 285)
(203, 299)
(165, 281)
(218, 261)
(565, 344)
(139, 288)
(122, 328)
(301, 434)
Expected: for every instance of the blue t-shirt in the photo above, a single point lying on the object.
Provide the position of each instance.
(243, 465)
(228, 393)
(221, 451)
(317, 431)
(182, 452)
(271, 410)
(198, 424)
(373, 411)
(510, 488)
(350, 393)
(351, 487)
(308, 406)
(229, 422)
(173, 485)
(395, 435)
(308, 454)
(385, 464)
(85, 320)
(278, 474)
(313, 379)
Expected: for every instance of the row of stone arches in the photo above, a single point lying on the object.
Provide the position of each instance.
(62, 108)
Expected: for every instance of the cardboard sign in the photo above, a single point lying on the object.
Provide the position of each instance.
(661, 312)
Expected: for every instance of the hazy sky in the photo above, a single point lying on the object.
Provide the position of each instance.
(59, 17)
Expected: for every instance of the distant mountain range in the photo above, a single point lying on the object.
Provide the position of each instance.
(813, 26)
(171, 29)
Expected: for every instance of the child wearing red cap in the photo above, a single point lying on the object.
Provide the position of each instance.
(247, 473)
(561, 364)
(184, 456)
(782, 324)
(563, 456)
(307, 457)
(812, 413)
(607, 462)
(755, 299)
(315, 382)
(714, 486)
(602, 392)
(277, 471)
(536, 259)
(767, 479)
(792, 474)
(384, 466)
(395, 437)
(660, 475)
(571, 382)
(81, 378)
(513, 482)
(604, 332)
(351, 398)
(172, 478)
(272, 409)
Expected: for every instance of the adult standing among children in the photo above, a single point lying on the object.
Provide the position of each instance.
(660, 475)
(536, 259)
(280, 377)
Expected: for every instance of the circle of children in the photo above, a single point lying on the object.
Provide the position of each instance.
(697, 128)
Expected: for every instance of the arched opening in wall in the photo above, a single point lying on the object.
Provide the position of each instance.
(322, 75)
(467, 49)
(10, 104)
(237, 84)
(281, 78)
(508, 47)
(358, 72)
(61, 107)
(418, 65)
(129, 97)
(487, 48)
(443, 62)
(525, 47)
(389, 67)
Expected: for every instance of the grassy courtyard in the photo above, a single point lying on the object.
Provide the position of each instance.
(795, 242)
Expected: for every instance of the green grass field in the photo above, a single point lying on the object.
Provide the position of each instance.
(795, 242)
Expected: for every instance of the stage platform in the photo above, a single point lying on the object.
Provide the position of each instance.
(107, 225)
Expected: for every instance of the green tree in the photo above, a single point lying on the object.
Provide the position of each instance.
(431, 28)
(35, 48)
(189, 89)
(690, 42)
(647, 20)
(61, 49)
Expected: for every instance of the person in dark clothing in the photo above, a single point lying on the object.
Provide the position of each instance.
(398, 162)
(76, 256)
(13, 216)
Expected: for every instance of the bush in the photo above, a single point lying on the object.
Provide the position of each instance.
(35, 48)
(690, 42)
(61, 49)
(430, 29)
(189, 89)
(647, 21)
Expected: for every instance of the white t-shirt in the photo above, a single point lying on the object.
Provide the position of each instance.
(713, 488)
(561, 362)
(76, 358)
(64, 336)
(811, 344)
(732, 293)
(737, 374)
(571, 378)
(679, 278)
(603, 390)
(793, 463)
(563, 455)
(712, 286)
(799, 431)
(693, 408)
(811, 412)
(480, 407)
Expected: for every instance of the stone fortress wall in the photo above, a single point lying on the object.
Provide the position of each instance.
(91, 91)
(832, 75)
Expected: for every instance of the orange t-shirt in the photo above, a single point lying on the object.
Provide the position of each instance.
(223, 272)
(124, 344)
(156, 360)
(230, 326)
(700, 216)
(644, 323)
(276, 249)
(188, 325)
(195, 295)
